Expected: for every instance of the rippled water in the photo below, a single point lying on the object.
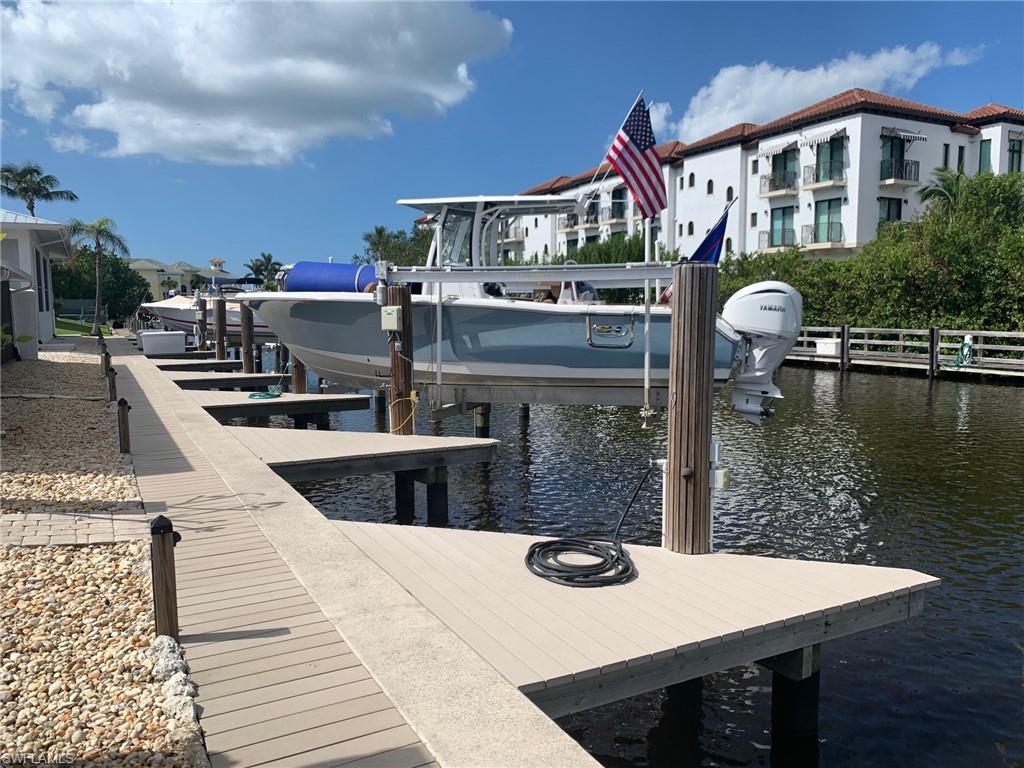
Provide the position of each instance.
(862, 469)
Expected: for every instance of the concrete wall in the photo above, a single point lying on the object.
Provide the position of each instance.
(32, 310)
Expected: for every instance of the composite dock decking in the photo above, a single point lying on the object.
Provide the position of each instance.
(215, 380)
(684, 616)
(203, 364)
(195, 354)
(227, 405)
(297, 455)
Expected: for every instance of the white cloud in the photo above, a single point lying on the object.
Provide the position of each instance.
(661, 111)
(241, 83)
(761, 92)
(69, 142)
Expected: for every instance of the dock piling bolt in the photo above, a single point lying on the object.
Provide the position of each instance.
(112, 384)
(163, 538)
(123, 437)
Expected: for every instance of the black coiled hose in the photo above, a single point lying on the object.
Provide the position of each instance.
(608, 563)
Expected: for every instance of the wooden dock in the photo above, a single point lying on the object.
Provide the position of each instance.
(204, 354)
(685, 616)
(231, 405)
(319, 455)
(214, 380)
(202, 364)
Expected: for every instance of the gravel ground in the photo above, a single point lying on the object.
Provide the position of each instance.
(77, 680)
(75, 373)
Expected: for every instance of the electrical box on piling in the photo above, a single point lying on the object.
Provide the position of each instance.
(391, 319)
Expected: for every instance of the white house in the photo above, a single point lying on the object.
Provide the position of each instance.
(824, 177)
(28, 247)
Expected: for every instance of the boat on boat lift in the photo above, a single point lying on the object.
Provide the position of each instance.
(474, 341)
(178, 313)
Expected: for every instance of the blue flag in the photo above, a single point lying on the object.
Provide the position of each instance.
(710, 250)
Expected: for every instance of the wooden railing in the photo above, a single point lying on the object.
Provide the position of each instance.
(930, 348)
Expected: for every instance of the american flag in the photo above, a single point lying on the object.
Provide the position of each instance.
(633, 155)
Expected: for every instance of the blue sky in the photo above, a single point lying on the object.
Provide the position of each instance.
(242, 146)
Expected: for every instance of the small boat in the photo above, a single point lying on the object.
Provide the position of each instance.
(178, 313)
(574, 349)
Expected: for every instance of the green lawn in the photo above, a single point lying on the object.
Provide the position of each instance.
(66, 327)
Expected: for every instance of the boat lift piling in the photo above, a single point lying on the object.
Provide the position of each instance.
(201, 330)
(245, 321)
(220, 321)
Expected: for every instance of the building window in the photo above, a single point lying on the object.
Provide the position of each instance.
(728, 245)
(711, 187)
(693, 180)
(728, 194)
(945, 155)
(681, 182)
(828, 227)
(985, 156)
(892, 157)
(1016, 146)
(782, 232)
(527, 232)
(959, 159)
(753, 218)
(889, 209)
(680, 228)
(534, 222)
(39, 282)
(689, 228)
(753, 167)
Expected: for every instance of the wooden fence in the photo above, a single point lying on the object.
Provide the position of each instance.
(932, 349)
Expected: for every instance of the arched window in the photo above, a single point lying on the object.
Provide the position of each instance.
(728, 242)
(689, 228)
(711, 187)
(728, 194)
(693, 179)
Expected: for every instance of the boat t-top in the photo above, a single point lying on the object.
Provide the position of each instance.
(488, 332)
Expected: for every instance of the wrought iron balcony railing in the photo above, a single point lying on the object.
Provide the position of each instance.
(616, 212)
(812, 234)
(823, 172)
(903, 170)
(590, 216)
(568, 221)
(513, 232)
(776, 238)
(783, 181)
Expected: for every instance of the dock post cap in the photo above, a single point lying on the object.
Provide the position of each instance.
(161, 525)
(123, 403)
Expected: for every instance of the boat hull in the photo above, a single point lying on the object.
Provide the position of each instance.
(493, 342)
(178, 314)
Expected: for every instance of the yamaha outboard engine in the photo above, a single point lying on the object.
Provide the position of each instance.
(768, 316)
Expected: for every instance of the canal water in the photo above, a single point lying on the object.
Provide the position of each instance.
(859, 468)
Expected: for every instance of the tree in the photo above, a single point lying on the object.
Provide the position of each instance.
(105, 241)
(265, 268)
(194, 281)
(124, 287)
(944, 192)
(401, 248)
(168, 283)
(28, 183)
(379, 242)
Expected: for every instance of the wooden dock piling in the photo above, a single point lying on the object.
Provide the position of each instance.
(691, 373)
(400, 346)
(844, 348)
(220, 321)
(482, 420)
(165, 588)
(933, 351)
(201, 329)
(298, 376)
(245, 320)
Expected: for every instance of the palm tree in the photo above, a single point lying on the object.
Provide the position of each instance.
(104, 239)
(28, 182)
(377, 241)
(264, 268)
(168, 283)
(944, 191)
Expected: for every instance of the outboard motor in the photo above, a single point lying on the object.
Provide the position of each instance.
(768, 316)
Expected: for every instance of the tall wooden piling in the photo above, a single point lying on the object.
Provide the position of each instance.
(282, 358)
(691, 374)
(400, 346)
(298, 376)
(220, 323)
(844, 347)
(934, 338)
(482, 420)
(245, 321)
(201, 323)
(165, 585)
(123, 435)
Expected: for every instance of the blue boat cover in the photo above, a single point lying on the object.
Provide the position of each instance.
(336, 278)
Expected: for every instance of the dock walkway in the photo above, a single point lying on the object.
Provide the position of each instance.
(231, 405)
(304, 655)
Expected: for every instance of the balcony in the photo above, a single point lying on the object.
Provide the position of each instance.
(568, 221)
(900, 172)
(615, 212)
(822, 236)
(591, 218)
(776, 238)
(778, 184)
(512, 232)
(824, 175)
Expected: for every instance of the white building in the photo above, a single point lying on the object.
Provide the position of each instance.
(28, 247)
(823, 177)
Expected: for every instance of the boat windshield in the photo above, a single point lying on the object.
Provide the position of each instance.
(456, 239)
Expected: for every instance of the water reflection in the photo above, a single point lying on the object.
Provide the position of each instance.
(864, 468)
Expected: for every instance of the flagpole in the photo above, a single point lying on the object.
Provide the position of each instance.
(646, 413)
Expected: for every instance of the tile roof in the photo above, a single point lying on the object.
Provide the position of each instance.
(848, 102)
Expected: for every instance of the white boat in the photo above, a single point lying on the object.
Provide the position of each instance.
(514, 350)
(178, 313)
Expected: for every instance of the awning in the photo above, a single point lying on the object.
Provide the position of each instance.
(908, 136)
(820, 138)
(774, 149)
(10, 272)
(1016, 135)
